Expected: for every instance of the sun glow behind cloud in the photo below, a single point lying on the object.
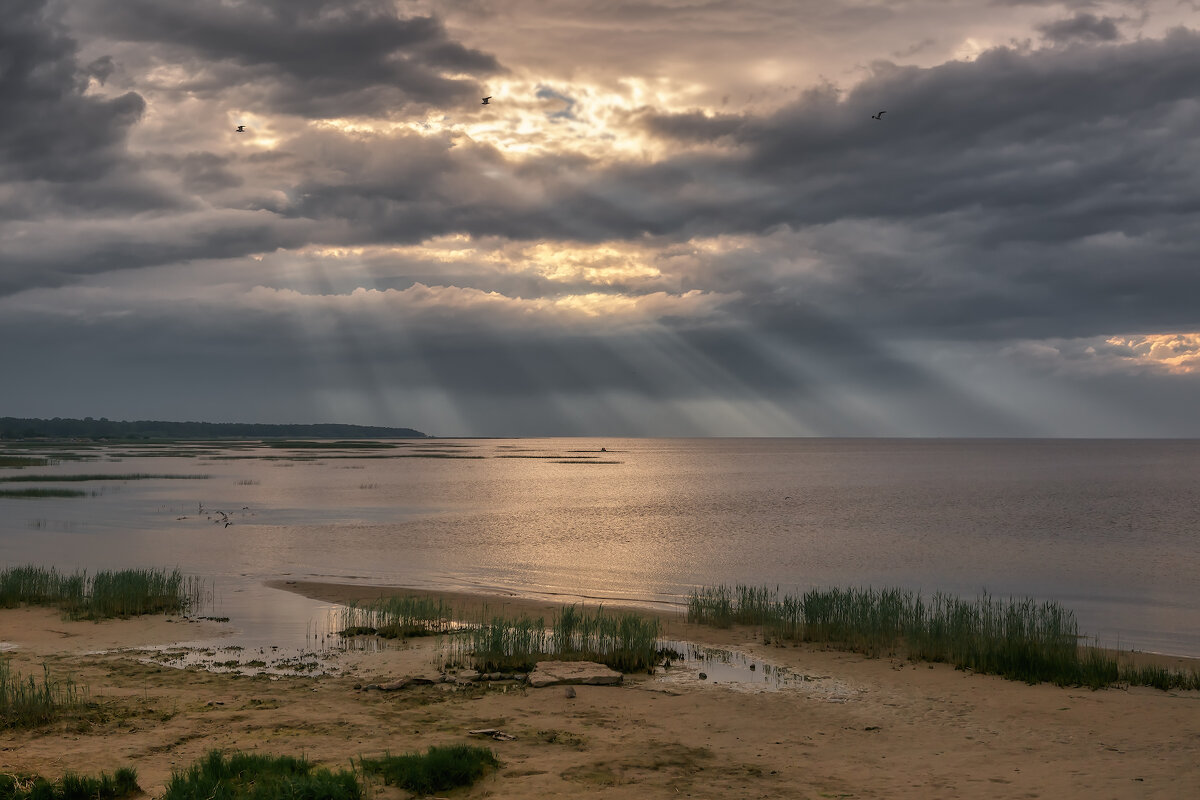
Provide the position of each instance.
(528, 118)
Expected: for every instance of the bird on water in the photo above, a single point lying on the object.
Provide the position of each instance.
(485, 100)
(879, 115)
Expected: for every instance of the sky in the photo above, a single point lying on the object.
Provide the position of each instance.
(673, 218)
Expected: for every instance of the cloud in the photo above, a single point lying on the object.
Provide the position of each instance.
(317, 58)
(53, 131)
(1123, 354)
(1081, 27)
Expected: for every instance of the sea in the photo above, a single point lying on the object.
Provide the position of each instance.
(1108, 528)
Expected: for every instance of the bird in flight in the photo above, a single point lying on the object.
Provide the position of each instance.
(879, 115)
(485, 100)
(240, 129)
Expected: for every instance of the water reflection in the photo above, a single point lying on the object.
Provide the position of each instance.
(1105, 527)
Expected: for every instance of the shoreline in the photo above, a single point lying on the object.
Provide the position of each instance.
(850, 727)
(672, 621)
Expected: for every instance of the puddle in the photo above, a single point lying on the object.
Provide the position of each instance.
(6, 646)
(740, 671)
(275, 662)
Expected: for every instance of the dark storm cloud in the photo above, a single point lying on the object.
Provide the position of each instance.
(51, 130)
(1082, 27)
(319, 58)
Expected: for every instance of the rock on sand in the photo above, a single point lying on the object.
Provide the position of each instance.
(557, 673)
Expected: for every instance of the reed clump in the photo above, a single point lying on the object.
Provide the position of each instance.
(1017, 638)
(439, 769)
(255, 776)
(397, 617)
(76, 478)
(19, 462)
(42, 492)
(626, 642)
(26, 703)
(106, 594)
(123, 783)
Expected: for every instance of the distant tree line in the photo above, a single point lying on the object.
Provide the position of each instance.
(104, 428)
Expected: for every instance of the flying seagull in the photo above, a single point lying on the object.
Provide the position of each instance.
(240, 129)
(879, 115)
(485, 100)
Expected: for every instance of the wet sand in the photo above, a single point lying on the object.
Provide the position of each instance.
(893, 729)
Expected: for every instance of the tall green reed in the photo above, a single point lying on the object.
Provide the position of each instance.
(1018, 638)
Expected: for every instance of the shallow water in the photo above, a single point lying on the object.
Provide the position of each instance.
(1109, 528)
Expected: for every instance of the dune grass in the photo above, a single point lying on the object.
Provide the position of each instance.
(27, 703)
(626, 642)
(438, 770)
(254, 776)
(106, 594)
(1018, 638)
(123, 783)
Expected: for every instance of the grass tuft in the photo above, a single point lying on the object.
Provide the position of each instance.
(124, 593)
(37, 492)
(247, 776)
(71, 787)
(1018, 638)
(25, 703)
(626, 642)
(439, 769)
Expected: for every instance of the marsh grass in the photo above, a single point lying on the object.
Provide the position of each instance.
(123, 593)
(26, 703)
(254, 776)
(123, 783)
(626, 642)
(397, 617)
(23, 461)
(133, 476)
(1017, 638)
(439, 769)
(33, 492)
(341, 444)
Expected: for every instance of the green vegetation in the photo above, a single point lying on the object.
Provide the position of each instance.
(397, 617)
(341, 444)
(125, 593)
(25, 703)
(42, 493)
(246, 776)
(133, 476)
(103, 428)
(1020, 639)
(23, 461)
(626, 642)
(438, 770)
(70, 787)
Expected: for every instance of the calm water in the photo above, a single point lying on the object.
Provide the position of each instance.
(1109, 528)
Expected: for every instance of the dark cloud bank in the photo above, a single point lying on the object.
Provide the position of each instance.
(1030, 193)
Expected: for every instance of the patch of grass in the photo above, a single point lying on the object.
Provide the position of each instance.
(1018, 638)
(25, 703)
(247, 776)
(627, 642)
(42, 493)
(123, 593)
(397, 617)
(344, 444)
(123, 783)
(133, 476)
(439, 769)
(23, 461)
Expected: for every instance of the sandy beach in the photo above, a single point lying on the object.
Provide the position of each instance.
(856, 728)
